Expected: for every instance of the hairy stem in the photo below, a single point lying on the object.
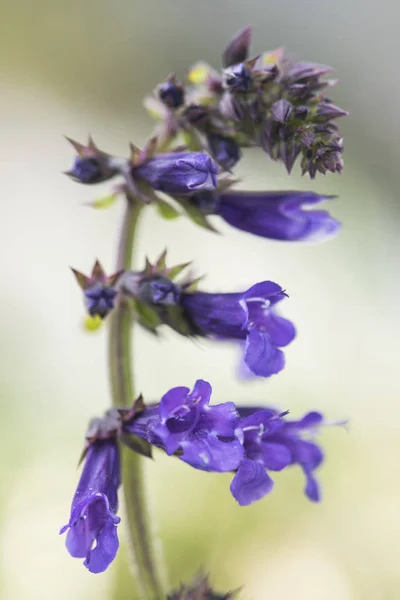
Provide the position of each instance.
(146, 567)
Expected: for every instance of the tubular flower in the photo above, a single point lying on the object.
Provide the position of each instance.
(92, 527)
(248, 316)
(272, 443)
(274, 215)
(178, 172)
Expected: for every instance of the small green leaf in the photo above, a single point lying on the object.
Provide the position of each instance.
(147, 317)
(136, 444)
(165, 210)
(194, 213)
(104, 202)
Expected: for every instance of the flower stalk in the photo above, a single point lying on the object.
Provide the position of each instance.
(146, 569)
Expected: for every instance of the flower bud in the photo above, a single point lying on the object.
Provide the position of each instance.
(171, 93)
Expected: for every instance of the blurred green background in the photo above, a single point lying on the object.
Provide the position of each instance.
(78, 67)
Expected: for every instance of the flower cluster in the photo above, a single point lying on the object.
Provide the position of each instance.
(269, 101)
(250, 316)
(204, 126)
(248, 442)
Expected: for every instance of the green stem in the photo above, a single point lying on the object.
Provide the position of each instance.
(148, 578)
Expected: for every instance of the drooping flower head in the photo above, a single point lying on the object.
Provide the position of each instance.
(272, 443)
(92, 527)
(283, 216)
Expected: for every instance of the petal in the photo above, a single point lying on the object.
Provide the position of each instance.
(171, 401)
(170, 442)
(251, 482)
(208, 453)
(201, 393)
(267, 290)
(305, 453)
(261, 356)
(282, 331)
(310, 421)
(312, 490)
(276, 456)
(104, 553)
(77, 541)
(220, 418)
(254, 416)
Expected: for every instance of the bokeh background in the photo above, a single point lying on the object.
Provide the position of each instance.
(83, 66)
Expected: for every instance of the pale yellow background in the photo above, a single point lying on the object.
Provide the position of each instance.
(78, 67)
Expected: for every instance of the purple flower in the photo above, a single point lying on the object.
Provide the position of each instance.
(225, 150)
(91, 530)
(178, 172)
(270, 444)
(184, 424)
(275, 215)
(248, 316)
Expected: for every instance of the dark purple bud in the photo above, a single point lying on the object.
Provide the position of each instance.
(289, 151)
(100, 299)
(92, 531)
(327, 111)
(307, 138)
(99, 289)
(281, 110)
(158, 290)
(237, 79)
(306, 70)
(178, 172)
(278, 215)
(171, 93)
(224, 150)
(301, 112)
(238, 48)
(91, 165)
(87, 170)
(197, 115)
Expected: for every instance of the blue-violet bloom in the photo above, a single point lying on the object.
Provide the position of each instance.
(275, 215)
(271, 443)
(248, 316)
(178, 172)
(92, 527)
(184, 423)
